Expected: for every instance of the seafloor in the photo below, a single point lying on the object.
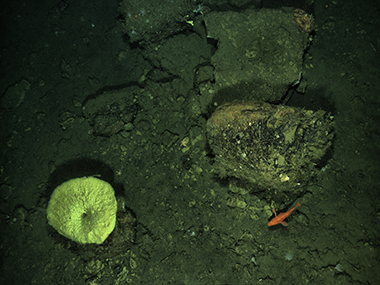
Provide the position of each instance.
(191, 227)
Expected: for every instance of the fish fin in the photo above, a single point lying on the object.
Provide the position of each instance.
(274, 211)
(284, 223)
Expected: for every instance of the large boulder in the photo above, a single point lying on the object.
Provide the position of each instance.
(268, 146)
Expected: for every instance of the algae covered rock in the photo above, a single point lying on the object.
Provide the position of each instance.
(270, 146)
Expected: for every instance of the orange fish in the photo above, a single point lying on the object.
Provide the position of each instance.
(281, 217)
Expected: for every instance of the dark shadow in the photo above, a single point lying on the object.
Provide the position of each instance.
(81, 167)
(313, 99)
(113, 88)
(300, 4)
(254, 90)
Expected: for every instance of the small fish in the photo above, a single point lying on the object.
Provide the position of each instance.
(281, 217)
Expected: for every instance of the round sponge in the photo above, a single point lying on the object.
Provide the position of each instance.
(83, 210)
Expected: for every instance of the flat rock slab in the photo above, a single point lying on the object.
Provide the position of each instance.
(111, 111)
(147, 21)
(260, 52)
